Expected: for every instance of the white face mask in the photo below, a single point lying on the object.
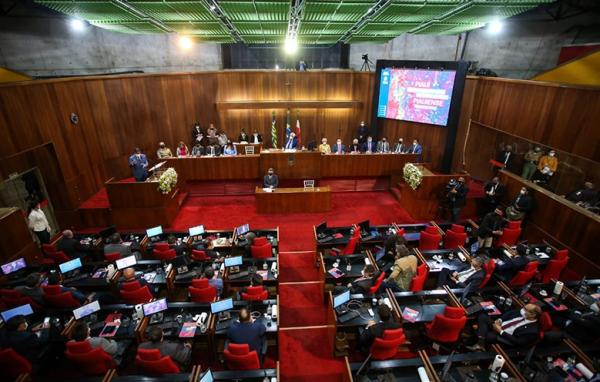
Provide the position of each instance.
(369, 140)
(551, 154)
(523, 313)
(594, 307)
(522, 192)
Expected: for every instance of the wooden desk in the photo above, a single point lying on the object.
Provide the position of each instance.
(350, 165)
(286, 200)
(216, 168)
(241, 147)
(291, 164)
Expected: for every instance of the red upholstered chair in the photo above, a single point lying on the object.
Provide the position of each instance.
(161, 246)
(261, 240)
(239, 357)
(509, 236)
(400, 232)
(524, 276)
(200, 283)
(418, 282)
(57, 256)
(356, 231)
(489, 270)
(10, 293)
(261, 251)
(431, 229)
(446, 328)
(198, 255)
(149, 361)
(138, 296)
(553, 270)
(131, 285)
(207, 294)
(458, 228)
(13, 364)
(453, 239)
(387, 347)
(255, 293)
(545, 322)
(377, 283)
(562, 254)
(349, 249)
(62, 300)
(514, 224)
(13, 302)
(51, 289)
(91, 361)
(429, 241)
(49, 248)
(111, 257)
(165, 255)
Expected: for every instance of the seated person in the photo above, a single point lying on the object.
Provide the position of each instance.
(54, 279)
(197, 150)
(179, 352)
(243, 137)
(81, 332)
(355, 147)
(403, 270)
(363, 283)
(256, 137)
(369, 146)
(178, 247)
(182, 150)
(229, 149)
(490, 227)
(70, 246)
(547, 166)
(163, 151)
(213, 149)
(247, 331)
(25, 342)
(339, 147)
(271, 180)
(583, 327)
(222, 138)
(510, 266)
(214, 280)
(291, 142)
(522, 205)
(583, 195)
(400, 147)
(416, 148)
(324, 148)
(208, 247)
(472, 274)
(129, 275)
(33, 288)
(116, 245)
(516, 328)
(383, 146)
(376, 329)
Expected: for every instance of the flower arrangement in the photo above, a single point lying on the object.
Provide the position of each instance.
(167, 180)
(412, 175)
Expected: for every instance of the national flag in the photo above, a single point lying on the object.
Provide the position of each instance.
(288, 127)
(274, 131)
(298, 135)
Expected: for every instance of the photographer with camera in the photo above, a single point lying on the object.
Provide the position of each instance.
(456, 197)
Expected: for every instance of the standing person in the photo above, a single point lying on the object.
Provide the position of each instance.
(362, 132)
(256, 137)
(531, 160)
(196, 131)
(457, 198)
(139, 164)
(182, 150)
(38, 223)
(324, 147)
(243, 137)
(383, 146)
(163, 151)
(271, 180)
(546, 168)
(494, 191)
(490, 226)
(292, 142)
(400, 147)
(506, 157)
(522, 204)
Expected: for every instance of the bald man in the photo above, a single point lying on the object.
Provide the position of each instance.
(129, 275)
(247, 331)
(70, 246)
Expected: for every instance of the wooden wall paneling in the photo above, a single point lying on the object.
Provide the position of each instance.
(466, 110)
(14, 226)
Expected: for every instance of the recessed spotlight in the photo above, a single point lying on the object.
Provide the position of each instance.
(185, 42)
(290, 46)
(276, 67)
(495, 26)
(77, 25)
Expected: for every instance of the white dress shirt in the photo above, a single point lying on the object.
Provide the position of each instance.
(519, 321)
(37, 221)
(464, 275)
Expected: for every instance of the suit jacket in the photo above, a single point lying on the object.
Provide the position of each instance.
(138, 166)
(524, 336)
(498, 191)
(584, 328)
(474, 280)
(292, 144)
(506, 157)
(216, 150)
(418, 149)
(400, 148)
(523, 203)
(376, 331)
(242, 138)
(372, 149)
(460, 198)
(491, 222)
(71, 247)
(383, 147)
(335, 148)
(251, 333)
(36, 294)
(27, 343)
(273, 181)
(124, 250)
(176, 351)
(355, 148)
(510, 266)
(362, 285)
(258, 137)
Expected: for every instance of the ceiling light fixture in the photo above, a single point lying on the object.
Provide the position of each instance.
(185, 42)
(495, 26)
(290, 46)
(77, 25)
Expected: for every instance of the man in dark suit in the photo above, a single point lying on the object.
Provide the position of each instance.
(213, 149)
(116, 245)
(339, 147)
(490, 226)
(516, 328)
(70, 246)
(256, 137)
(383, 146)
(139, 164)
(468, 275)
(369, 146)
(247, 331)
(521, 206)
(179, 352)
(23, 341)
(33, 288)
(271, 180)
(457, 198)
(355, 147)
(508, 267)
(400, 147)
(506, 157)
(494, 191)
(179, 248)
(376, 329)
(416, 148)
(585, 194)
(291, 142)
(364, 283)
(583, 327)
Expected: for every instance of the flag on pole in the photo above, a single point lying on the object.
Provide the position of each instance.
(274, 131)
(298, 135)
(288, 127)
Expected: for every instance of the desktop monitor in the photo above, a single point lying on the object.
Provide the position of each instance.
(341, 299)
(13, 266)
(221, 306)
(70, 265)
(198, 230)
(321, 226)
(108, 231)
(24, 310)
(126, 262)
(86, 310)
(233, 261)
(154, 307)
(243, 229)
(154, 231)
(207, 377)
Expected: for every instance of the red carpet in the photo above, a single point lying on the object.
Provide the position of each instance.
(98, 200)
(298, 266)
(302, 305)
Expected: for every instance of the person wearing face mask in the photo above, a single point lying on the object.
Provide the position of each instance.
(383, 146)
(163, 151)
(490, 226)
(416, 148)
(517, 328)
(23, 341)
(324, 147)
(400, 147)
(291, 142)
(494, 191)
(256, 137)
(522, 205)
(506, 157)
(243, 137)
(363, 130)
(369, 146)
(37, 222)
(196, 130)
(472, 275)
(457, 198)
(339, 147)
(546, 168)
(531, 159)
(139, 164)
(355, 147)
(271, 180)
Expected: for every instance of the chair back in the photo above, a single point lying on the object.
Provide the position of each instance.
(138, 296)
(350, 248)
(514, 224)
(164, 255)
(429, 241)
(239, 357)
(261, 251)
(418, 282)
(62, 300)
(208, 294)
(161, 246)
(260, 240)
(377, 283)
(561, 254)
(489, 270)
(509, 236)
(51, 289)
(554, 269)
(431, 229)
(112, 256)
(453, 239)
(524, 276)
(58, 256)
(445, 329)
(11, 293)
(387, 347)
(90, 361)
(150, 361)
(200, 283)
(131, 285)
(13, 364)
(199, 255)
(458, 228)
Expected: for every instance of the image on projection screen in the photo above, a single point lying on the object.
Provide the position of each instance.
(416, 95)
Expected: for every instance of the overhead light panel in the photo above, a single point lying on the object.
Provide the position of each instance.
(290, 46)
(77, 25)
(495, 26)
(185, 42)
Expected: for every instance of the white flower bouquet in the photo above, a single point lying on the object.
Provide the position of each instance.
(167, 180)
(412, 175)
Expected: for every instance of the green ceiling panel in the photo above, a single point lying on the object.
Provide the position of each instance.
(213, 28)
(174, 10)
(387, 29)
(91, 10)
(256, 10)
(413, 12)
(345, 11)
